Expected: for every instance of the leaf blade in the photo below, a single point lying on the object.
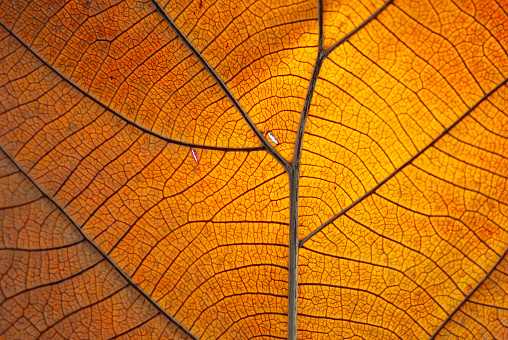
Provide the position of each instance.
(74, 307)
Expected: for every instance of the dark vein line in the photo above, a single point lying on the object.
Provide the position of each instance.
(353, 32)
(266, 145)
(255, 316)
(107, 258)
(233, 295)
(75, 134)
(453, 46)
(489, 305)
(373, 190)
(108, 140)
(105, 201)
(135, 327)
(125, 119)
(68, 316)
(377, 265)
(350, 320)
(26, 250)
(450, 316)
(447, 240)
(155, 204)
(476, 321)
(379, 296)
(414, 250)
(20, 205)
(198, 258)
(237, 296)
(417, 53)
(104, 168)
(51, 284)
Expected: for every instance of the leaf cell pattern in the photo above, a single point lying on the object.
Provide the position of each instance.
(253, 170)
(55, 285)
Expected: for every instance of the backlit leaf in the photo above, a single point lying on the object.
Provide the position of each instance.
(261, 169)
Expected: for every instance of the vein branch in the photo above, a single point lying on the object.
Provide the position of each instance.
(117, 114)
(106, 257)
(269, 148)
(294, 175)
(450, 316)
(353, 32)
(418, 154)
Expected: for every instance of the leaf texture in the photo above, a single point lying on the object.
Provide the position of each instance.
(260, 169)
(54, 283)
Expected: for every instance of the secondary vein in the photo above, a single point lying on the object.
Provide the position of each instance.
(117, 114)
(99, 250)
(269, 148)
(418, 154)
(450, 316)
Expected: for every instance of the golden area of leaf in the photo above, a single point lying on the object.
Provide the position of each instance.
(141, 195)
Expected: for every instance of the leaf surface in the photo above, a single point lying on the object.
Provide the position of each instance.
(55, 284)
(215, 170)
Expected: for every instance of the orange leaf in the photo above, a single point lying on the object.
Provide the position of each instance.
(209, 170)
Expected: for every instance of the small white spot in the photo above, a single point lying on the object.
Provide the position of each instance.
(272, 137)
(194, 155)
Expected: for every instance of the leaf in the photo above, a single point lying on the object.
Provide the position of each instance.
(78, 289)
(211, 170)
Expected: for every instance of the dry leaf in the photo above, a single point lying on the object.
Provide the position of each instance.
(240, 170)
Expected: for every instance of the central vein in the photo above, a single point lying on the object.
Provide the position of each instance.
(294, 171)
